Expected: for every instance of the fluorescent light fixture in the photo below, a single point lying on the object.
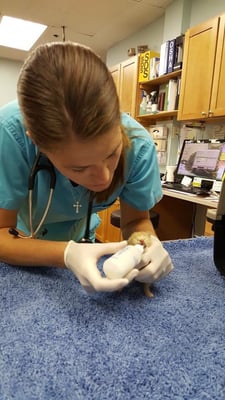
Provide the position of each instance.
(18, 33)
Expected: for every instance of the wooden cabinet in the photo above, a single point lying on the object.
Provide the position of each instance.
(202, 93)
(152, 85)
(218, 92)
(176, 217)
(100, 231)
(115, 71)
(125, 78)
(182, 216)
(106, 232)
(208, 229)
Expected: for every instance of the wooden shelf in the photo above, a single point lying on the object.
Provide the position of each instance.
(160, 80)
(160, 115)
(154, 84)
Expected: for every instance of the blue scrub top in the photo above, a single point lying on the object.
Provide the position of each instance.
(141, 188)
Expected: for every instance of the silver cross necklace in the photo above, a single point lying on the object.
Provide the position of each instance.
(77, 206)
(77, 203)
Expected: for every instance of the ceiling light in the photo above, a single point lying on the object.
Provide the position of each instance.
(18, 33)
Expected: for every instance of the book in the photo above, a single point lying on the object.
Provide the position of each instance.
(172, 94)
(161, 100)
(178, 93)
(161, 96)
(144, 65)
(164, 50)
(171, 55)
(166, 97)
(154, 67)
(178, 61)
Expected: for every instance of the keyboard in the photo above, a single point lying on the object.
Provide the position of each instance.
(185, 189)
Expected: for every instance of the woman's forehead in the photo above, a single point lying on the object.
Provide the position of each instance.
(88, 152)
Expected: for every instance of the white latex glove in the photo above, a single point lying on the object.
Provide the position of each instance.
(82, 258)
(155, 263)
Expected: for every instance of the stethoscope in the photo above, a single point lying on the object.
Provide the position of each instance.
(41, 162)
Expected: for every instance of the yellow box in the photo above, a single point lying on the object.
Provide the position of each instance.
(144, 65)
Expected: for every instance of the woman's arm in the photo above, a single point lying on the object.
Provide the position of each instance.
(32, 252)
(133, 220)
(81, 259)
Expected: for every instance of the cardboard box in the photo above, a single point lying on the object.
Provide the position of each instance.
(158, 132)
(161, 144)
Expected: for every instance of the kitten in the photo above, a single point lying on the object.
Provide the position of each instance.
(143, 238)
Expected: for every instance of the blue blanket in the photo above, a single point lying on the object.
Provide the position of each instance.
(57, 342)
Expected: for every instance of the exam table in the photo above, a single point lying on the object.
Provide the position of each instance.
(57, 342)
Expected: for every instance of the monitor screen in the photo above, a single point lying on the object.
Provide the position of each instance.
(202, 158)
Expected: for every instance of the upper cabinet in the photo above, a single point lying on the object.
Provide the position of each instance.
(125, 78)
(202, 94)
(218, 92)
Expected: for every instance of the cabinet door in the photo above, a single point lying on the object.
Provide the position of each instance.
(115, 71)
(176, 218)
(198, 69)
(100, 231)
(128, 85)
(218, 92)
(112, 233)
(106, 232)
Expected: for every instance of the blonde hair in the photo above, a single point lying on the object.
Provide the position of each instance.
(65, 90)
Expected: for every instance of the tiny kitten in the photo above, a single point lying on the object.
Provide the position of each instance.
(143, 238)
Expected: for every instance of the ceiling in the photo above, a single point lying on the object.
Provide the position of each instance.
(99, 24)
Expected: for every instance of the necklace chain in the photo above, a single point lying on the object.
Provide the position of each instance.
(84, 193)
(77, 202)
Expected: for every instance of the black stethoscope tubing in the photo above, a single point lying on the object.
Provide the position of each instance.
(41, 162)
(86, 238)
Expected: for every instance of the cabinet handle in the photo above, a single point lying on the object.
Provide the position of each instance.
(203, 114)
(210, 113)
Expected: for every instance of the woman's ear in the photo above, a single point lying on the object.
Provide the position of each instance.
(30, 136)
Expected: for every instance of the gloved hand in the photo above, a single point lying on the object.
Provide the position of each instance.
(81, 259)
(155, 263)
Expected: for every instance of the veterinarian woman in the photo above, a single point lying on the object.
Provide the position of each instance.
(91, 154)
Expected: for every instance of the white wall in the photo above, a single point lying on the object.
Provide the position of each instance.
(9, 71)
(202, 10)
(151, 36)
(177, 19)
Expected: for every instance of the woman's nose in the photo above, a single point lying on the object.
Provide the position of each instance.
(102, 173)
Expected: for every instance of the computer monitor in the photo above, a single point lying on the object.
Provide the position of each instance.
(202, 159)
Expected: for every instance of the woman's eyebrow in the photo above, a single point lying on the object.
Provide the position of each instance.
(119, 144)
(86, 166)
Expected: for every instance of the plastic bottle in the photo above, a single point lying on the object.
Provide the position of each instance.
(143, 104)
(149, 105)
(122, 262)
(154, 101)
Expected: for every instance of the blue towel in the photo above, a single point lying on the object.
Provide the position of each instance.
(57, 342)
